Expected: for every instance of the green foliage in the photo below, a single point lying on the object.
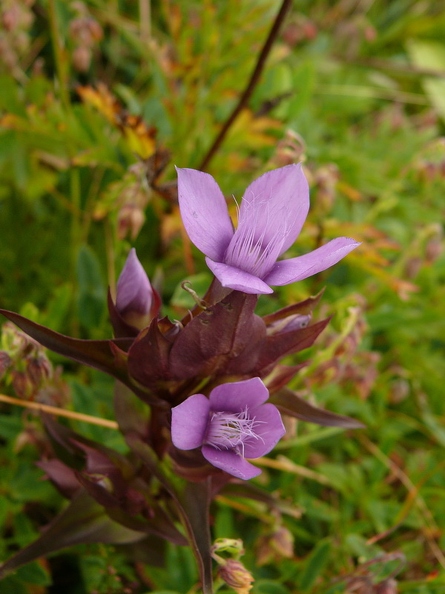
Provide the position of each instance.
(355, 90)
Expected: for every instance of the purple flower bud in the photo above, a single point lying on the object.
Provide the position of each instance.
(292, 322)
(234, 423)
(136, 300)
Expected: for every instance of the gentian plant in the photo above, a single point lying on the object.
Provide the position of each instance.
(195, 399)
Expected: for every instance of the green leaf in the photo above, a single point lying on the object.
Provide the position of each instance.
(269, 587)
(315, 564)
(34, 573)
(430, 55)
(92, 294)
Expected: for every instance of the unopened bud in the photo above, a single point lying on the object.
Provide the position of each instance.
(22, 384)
(82, 58)
(5, 362)
(293, 322)
(236, 576)
(136, 300)
(282, 542)
(130, 220)
(38, 369)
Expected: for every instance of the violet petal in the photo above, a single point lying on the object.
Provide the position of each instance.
(204, 212)
(236, 396)
(294, 269)
(230, 462)
(277, 204)
(237, 279)
(133, 292)
(268, 427)
(189, 422)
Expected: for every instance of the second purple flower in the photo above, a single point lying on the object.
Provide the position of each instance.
(233, 424)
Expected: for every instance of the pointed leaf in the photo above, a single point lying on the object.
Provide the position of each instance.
(72, 448)
(83, 521)
(302, 308)
(195, 504)
(155, 522)
(249, 490)
(130, 413)
(276, 346)
(281, 376)
(192, 506)
(290, 403)
(95, 353)
(62, 476)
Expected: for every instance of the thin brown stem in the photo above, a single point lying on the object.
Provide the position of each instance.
(60, 412)
(253, 81)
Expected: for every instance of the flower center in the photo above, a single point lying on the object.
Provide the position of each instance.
(253, 247)
(230, 431)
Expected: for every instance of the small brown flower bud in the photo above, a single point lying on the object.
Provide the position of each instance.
(5, 362)
(236, 576)
(283, 542)
(38, 369)
(388, 586)
(22, 384)
(82, 58)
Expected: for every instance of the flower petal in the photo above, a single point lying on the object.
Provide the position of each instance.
(236, 396)
(268, 427)
(231, 462)
(237, 279)
(294, 269)
(189, 422)
(204, 212)
(133, 292)
(276, 204)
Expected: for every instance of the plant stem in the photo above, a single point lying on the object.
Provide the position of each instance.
(60, 412)
(58, 53)
(253, 81)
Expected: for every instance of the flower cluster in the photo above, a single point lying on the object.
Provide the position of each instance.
(213, 383)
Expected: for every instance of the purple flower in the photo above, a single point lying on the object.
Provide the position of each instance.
(270, 218)
(229, 426)
(136, 300)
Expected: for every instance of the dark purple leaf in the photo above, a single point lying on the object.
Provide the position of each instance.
(123, 508)
(195, 502)
(62, 476)
(290, 403)
(83, 521)
(130, 413)
(302, 308)
(192, 506)
(95, 353)
(276, 346)
(282, 375)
